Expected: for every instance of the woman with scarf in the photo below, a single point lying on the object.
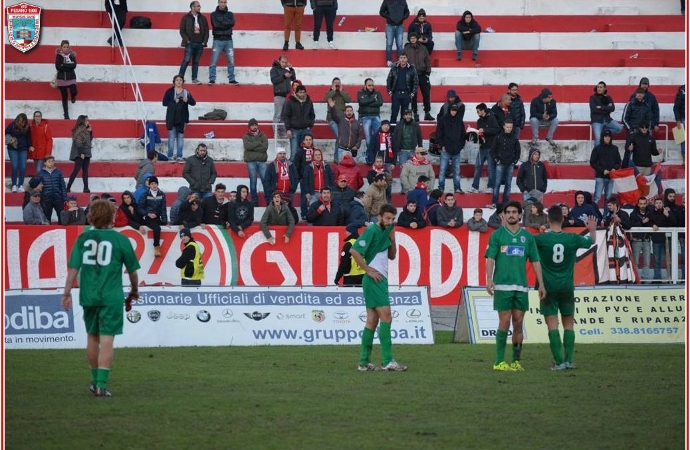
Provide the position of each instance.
(177, 100)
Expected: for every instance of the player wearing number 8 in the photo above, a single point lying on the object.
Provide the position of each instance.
(99, 254)
(557, 252)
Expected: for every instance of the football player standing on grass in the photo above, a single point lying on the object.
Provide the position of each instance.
(508, 251)
(371, 252)
(557, 252)
(100, 252)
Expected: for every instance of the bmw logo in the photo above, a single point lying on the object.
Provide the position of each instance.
(203, 316)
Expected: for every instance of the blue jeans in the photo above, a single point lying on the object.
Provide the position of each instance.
(598, 127)
(602, 185)
(483, 155)
(334, 128)
(296, 141)
(682, 144)
(455, 167)
(659, 251)
(536, 123)
(370, 125)
(39, 165)
(18, 161)
(394, 32)
(400, 101)
(173, 136)
(192, 52)
(504, 174)
(462, 44)
(218, 48)
(254, 167)
(404, 156)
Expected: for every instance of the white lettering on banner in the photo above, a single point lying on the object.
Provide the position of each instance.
(472, 252)
(307, 248)
(14, 262)
(289, 275)
(438, 240)
(406, 242)
(56, 240)
(253, 241)
(333, 257)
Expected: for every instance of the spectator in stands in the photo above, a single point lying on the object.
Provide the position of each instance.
(222, 21)
(194, 32)
(679, 212)
(200, 172)
(348, 169)
(241, 211)
(177, 100)
(41, 139)
(18, 142)
(543, 113)
(281, 175)
(304, 155)
(423, 28)
(298, 117)
(139, 193)
(420, 193)
(449, 215)
(411, 216)
(450, 135)
(467, 32)
(641, 146)
(370, 101)
(534, 216)
(568, 220)
(323, 212)
(600, 108)
(184, 195)
(384, 144)
(477, 222)
(406, 138)
(414, 168)
(505, 152)
(120, 10)
(349, 136)
(375, 197)
(487, 129)
(315, 177)
(640, 217)
(661, 216)
(35, 184)
(637, 111)
(66, 78)
(324, 9)
(82, 137)
(33, 212)
(402, 83)
(74, 214)
(340, 99)
(649, 99)
(679, 114)
(418, 57)
(191, 213)
(431, 208)
(395, 12)
(255, 145)
(496, 219)
(216, 208)
(293, 12)
(502, 110)
(452, 99)
(342, 193)
(357, 216)
(127, 214)
(146, 165)
(379, 167)
(582, 210)
(282, 75)
(153, 210)
(277, 213)
(54, 190)
(614, 214)
(532, 178)
(604, 159)
(517, 107)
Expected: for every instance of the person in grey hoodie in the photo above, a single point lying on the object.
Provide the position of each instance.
(183, 194)
(146, 165)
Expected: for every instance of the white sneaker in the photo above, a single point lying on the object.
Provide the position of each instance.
(20, 189)
(472, 190)
(14, 188)
(331, 45)
(316, 45)
(394, 367)
(368, 367)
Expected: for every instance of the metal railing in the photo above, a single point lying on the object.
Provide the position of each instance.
(673, 243)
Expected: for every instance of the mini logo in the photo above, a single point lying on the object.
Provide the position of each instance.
(256, 315)
(24, 26)
(394, 314)
(414, 313)
(154, 315)
(340, 315)
(522, 239)
(203, 315)
(227, 314)
(134, 316)
(363, 316)
(362, 243)
(177, 316)
(318, 315)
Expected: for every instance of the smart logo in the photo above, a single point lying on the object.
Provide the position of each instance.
(37, 315)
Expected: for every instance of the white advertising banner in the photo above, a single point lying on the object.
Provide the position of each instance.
(216, 316)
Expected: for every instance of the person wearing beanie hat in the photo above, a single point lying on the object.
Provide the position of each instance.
(406, 137)
(647, 98)
(543, 113)
(152, 207)
(418, 57)
(370, 101)
(452, 99)
(255, 144)
(600, 108)
(467, 32)
(604, 159)
(190, 262)
(532, 178)
(422, 27)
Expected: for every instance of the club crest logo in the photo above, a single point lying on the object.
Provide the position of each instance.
(24, 26)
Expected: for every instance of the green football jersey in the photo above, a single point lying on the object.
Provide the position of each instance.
(558, 252)
(511, 252)
(373, 241)
(100, 255)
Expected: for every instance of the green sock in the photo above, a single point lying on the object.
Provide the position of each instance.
(102, 376)
(569, 344)
(367, 343)
(386, 344)
(556, 346)
(501, 338)
(94, 375)
(517, 350)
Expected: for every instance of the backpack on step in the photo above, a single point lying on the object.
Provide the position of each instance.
(140, 22)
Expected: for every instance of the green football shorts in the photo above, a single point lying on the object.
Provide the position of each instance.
(375, 293)
(103, 320)
(507, 300)
(558, 301)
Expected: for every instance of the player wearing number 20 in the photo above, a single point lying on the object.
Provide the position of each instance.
(99, 253)
(558, 252)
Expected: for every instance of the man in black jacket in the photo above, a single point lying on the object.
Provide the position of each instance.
(216, 208)
(506, 153)
(450, 135)
(543, 113)
(299, 117)
(395, 12)
(282, 75)
(532, 178)
(120, 11)
(222, 21)
(614, 214)
(194, 32)
(640, 217)
(661, 216)
(604, 159)
(600, 108)
(401, 84)
(517, 106)
(487, 127)
(200, 172)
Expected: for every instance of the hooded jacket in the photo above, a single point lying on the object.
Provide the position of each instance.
(600, 107)
(182, 194)
(650, 99)
(450, 133)
(418, 56)
(411, 172)
(582, 212)
(222, 21)
(138, 193)
(406, 218)
(282, 85)
(491, 129)
(506, 149)
(636, 112)
(255, 146)
(144, 166)
(445, 108)
(537, 107)
(357, 217)
(348, 130)
(473, 27)
(394, 11)
(241, 212)
(41, 139)
(348, 168)
(299, 115)
(604, 157)
(532, 176)
(200, 173)
(677, 210)
(126, 216)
